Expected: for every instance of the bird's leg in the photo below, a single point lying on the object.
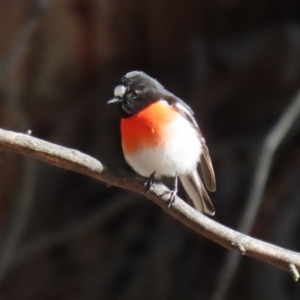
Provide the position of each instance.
(150, 182)
(173, 192)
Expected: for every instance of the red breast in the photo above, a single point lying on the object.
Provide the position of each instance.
(147, 128)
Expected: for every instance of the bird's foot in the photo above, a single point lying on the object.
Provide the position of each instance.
(150, 182)
(173, 192)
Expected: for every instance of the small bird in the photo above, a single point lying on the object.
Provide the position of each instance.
(160, 137)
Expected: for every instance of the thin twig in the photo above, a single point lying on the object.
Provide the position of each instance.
(25, 197)
(23, 40)
(21, 213)
(80, 227)
(76, 161)
(270, 145)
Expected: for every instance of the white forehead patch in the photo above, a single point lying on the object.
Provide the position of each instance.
(120, 91)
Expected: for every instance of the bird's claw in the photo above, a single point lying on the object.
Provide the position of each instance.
(171, 200)
(150, 182)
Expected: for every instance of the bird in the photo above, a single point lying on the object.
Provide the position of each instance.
(161, 138)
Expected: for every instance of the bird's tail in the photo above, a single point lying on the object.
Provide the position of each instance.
(197, 192)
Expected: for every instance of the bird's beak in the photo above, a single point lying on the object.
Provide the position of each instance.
(114, 100)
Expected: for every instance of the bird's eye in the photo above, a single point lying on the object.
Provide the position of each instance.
(134, 93)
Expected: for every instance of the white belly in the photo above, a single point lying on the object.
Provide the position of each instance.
(179, 155)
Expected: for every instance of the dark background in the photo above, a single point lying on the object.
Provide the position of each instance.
(237, 63)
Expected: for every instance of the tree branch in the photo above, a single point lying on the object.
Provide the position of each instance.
(76, 229)
(76, 161)
(272, 142)
(24, 197)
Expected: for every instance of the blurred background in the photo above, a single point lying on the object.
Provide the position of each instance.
(66, 236)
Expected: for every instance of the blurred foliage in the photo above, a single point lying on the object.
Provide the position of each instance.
(235, 62)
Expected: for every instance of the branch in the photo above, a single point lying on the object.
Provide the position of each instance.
(10, 68)
(264, 163)
(65, 235)
(76, 161)
(10, 65)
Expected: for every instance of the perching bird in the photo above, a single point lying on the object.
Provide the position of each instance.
(160, 137)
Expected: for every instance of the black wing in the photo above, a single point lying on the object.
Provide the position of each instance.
(206, 168)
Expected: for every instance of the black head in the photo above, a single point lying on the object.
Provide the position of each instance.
(136, 91)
